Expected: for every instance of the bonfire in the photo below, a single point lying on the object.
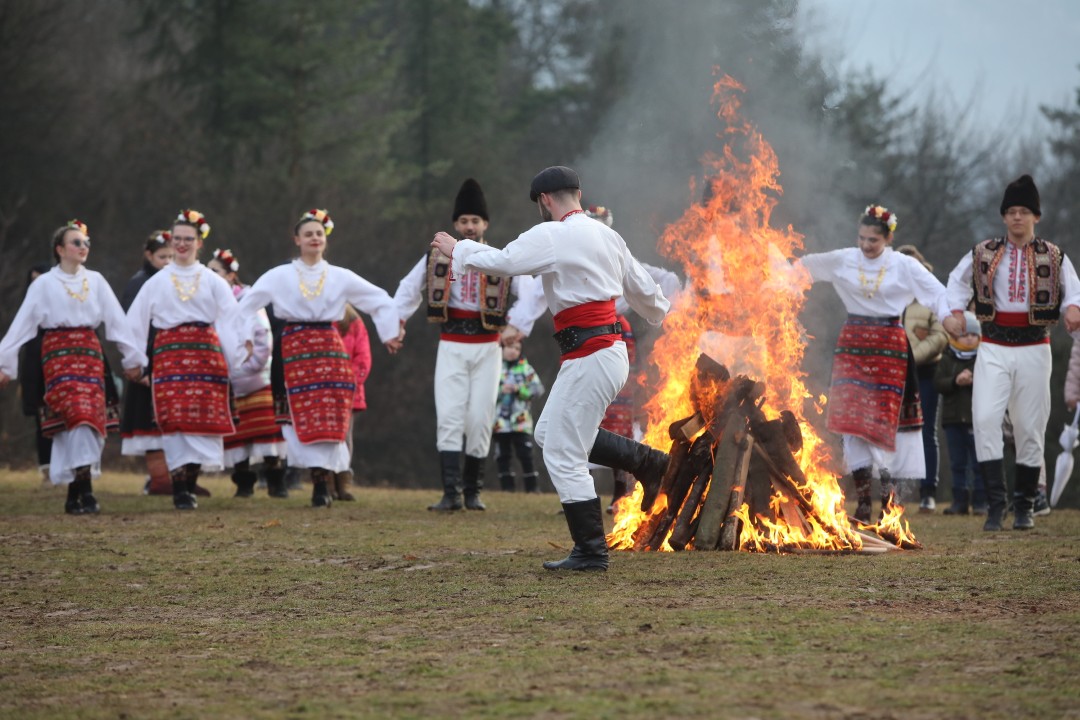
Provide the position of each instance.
(729, 381)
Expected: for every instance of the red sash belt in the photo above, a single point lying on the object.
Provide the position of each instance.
(481, 337)
(1019, 331)
(587, 315)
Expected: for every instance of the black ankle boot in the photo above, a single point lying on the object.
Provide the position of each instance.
(473, 480)
(586, 522)
(245, 480)
(192, 471)
(643, 462)
(275, 482)
(86, 489)
(531, 485)
(959, 502)
(450, 466)
(863, 478)
(320, 491)
(73, 504)
(1027, 487)
(993, 472)
(506, 482)
(182, 499)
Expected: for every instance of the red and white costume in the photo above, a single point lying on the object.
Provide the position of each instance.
(57, 300)
(584, 266)
(329, 288)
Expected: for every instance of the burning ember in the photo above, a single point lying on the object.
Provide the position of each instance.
(746, 470)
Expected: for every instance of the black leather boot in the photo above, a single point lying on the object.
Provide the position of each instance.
(622, 485)
(73, 504)
(586, 522)
(182, 499)
(960, 501)
(643, 462)
(1027, 487)
(320, 490)
(86, 491)
(275, 481)
(473, 479)
(245, 479)
(993, 472)
(450, 466)
(531, 486)
(863, 478)
(506, 482)
(342, 483)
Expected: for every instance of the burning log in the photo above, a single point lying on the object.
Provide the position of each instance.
(724, 480)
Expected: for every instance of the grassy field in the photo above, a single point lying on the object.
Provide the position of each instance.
(268, 608)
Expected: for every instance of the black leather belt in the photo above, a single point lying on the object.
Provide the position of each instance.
(573, 337)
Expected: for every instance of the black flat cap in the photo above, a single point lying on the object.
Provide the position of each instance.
(553, 179)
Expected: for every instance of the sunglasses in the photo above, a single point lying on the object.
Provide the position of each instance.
(79, 242)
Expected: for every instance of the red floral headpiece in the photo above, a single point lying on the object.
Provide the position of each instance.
(78, 225)
(879, 213)
(601, 213)
(320, 216)
(226, 258)
(196, 219)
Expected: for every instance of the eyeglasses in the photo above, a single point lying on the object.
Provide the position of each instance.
(79, 242)
(180, 239)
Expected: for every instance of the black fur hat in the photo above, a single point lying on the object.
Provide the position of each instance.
(470, 201)
(1022, 193)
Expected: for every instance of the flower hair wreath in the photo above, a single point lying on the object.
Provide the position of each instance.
(601, 213)
(319, 216)
(79, 225)
(226, 258)
(164, 237)
(880, 213)
(196, 218)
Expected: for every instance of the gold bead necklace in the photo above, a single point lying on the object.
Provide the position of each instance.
(877, 283)
(80, 296)
(185, 292)
(306, 291)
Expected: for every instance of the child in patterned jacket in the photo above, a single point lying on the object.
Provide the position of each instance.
(513, 432)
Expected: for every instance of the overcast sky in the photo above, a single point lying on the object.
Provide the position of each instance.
(1003, 56)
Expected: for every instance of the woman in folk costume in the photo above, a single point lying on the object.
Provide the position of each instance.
(67, 304)
(140, 435)
(316, 399)
(258, 437)
(189, 373)
(873, 399)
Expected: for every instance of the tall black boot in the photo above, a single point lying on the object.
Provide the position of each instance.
(320, 490)
(531, 485)
(192, 471)
(275, 479)
(993, 472)
(244, 478)
(86, 489)
(473, 478)
(643, 462)
(450, 466)
(73, 504)
(863, 478)
(960, 501)
(586, 522)
(182, 499)
(1027, 487)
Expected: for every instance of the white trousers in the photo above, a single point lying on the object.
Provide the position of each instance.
(907, 462)
(466, 393)
(205, 450)
(1016, 379)
(575, 406)
(73, 449)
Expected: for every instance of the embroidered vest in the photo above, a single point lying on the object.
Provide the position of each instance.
(1043, 262)
(494, 294)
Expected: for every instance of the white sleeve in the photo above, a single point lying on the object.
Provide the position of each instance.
(376, 302)
(138, 318)
(642, 293)
(236, 329)
(928, 289)
(1070, 283)
(410, 291)
(117, 329)
(821, 266)
(958, 290)
(23, 329)
(531, 253)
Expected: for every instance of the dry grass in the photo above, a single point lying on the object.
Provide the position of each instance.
(264, 608)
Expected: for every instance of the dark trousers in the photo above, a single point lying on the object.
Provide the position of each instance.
(928, 398)
(961, 443)
(514, 443)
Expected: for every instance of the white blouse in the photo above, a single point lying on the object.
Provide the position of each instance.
(880, 287)
(579, 260)
(177, 294)
(317, 293)
(59, 300)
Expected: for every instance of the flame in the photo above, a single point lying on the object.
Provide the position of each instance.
(892, 527)
(741, 307)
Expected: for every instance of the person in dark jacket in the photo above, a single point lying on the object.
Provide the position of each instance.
(953, 379)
